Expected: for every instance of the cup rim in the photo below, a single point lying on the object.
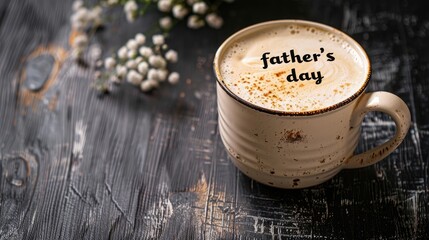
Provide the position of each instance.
(358, 47)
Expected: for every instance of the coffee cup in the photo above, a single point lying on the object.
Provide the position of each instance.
(291, 100)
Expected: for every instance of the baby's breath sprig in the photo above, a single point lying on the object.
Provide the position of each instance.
(197, 13)
(140, 64)
(84, 22)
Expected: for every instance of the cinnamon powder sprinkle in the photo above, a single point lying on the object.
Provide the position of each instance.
(280, 73)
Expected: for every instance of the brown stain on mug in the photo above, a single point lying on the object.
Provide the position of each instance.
(295, 182)
(292, 136)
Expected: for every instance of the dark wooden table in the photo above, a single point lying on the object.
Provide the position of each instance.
(77, 165)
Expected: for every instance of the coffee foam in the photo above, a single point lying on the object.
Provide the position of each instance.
(241, 68)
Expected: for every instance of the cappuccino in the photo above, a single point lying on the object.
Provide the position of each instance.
(293, 67)
(290, 97)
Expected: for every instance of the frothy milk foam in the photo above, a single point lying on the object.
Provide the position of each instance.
(340, 76)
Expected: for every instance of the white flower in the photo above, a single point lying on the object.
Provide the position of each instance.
(77, 5)
(145, 51)
(121, 71)
(122, 53)
(95, 16)
(195, 22)
(139, 59)
(214, 21)
(131, 17)
(132, 44)
(143, 68)
(140, 38)
(112, 2)
(157, 61)
(99, 63)
(153, 83)
(164, 5)
(162, 75)
(130, 6)
(134, 77)
(152, 74)
(114, 79)
(109, 63)
(199, 7)
(179, 11)
(130, 9)
(80, 19)
(79, 26)
(81, 14)
(97, 10)
(80, 42)
(173, 78)
(171, 56)
(131, 64)
(146, 86)
(165, 22)
(158, 39)
(132, 53)
(83, 18)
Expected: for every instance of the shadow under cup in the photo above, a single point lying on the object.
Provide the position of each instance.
(296, 149)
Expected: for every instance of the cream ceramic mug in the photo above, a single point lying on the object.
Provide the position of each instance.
(291, 101)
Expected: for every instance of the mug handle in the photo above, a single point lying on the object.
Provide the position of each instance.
(389, 104)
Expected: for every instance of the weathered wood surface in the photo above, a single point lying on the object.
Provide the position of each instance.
(75, 165)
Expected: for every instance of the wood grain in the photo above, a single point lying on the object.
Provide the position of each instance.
(78, 165)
